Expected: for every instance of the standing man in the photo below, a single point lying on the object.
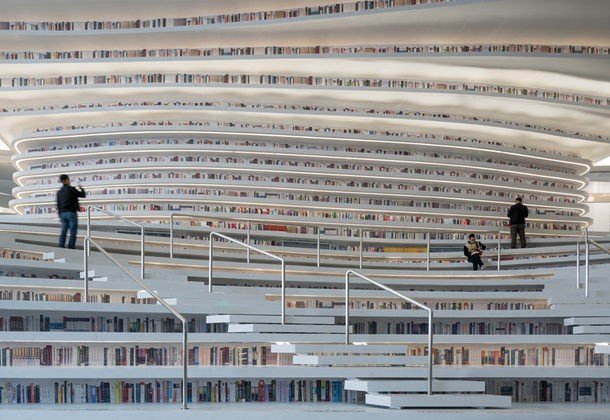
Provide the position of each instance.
(67, 209)
(517, 215)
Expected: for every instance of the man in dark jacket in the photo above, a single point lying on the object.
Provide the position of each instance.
(517, 215)
(67, 209)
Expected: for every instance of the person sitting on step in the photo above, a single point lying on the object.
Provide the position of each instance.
(473, 250)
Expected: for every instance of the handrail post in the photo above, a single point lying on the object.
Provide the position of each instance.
(185, 361)
(347, 273)
(578, 264)
(361, 248)
(210, 261)
(586, 262)
(87, 244)
(171, 235)
(283, 292)
(427, 251)
(248, 242)
(142, 265)
(499, 249)
(85, 297)
(430, 354)
(318, 247)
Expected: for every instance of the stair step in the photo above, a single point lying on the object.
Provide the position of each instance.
(588, 320)
(409, 385)
(340, 348)
(438, 400)
(269, 319)
(591, 329)
(99, 279)
(602, 348)
(289, 328)
(312, 359)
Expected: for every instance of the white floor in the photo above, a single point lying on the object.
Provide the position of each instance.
(277, 411)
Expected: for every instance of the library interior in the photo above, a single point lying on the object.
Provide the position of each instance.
(177, 241)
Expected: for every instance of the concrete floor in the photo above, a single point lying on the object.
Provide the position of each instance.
(278, 411)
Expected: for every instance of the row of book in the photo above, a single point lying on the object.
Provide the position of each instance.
(398, 304)
(95, 25)
(556, 390)
(558, 355)
(472, 328)
(170, 391)
(42, 296)
(140, 355)
(105, 324)
(497, 49)
(272, 390)
(261, 355)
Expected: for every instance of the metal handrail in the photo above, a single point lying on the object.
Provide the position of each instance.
(159, 299)
(361, 231)
(124, 219)
(249, 247)
(348, 273)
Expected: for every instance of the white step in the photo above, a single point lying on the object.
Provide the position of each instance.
(288, 328)
(340, 348)
(438, 400)
(603, 348)
(589, 320)
(313, 359)
(269, 319)
(91, 274)
(143, 294)
(591, 329)
(100, 279)
(410, 385)
(59, 260)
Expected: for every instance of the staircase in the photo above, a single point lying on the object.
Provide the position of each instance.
(382, 392)
(393, 393)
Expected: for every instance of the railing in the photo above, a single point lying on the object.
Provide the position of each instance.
(118, 217)
(249, 247)
(159, 299)
(318, 239)
(587, 241)
(348, 273)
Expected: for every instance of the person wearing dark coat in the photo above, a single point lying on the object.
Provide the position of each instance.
(517, 215)
(67, 210)
(473, 251)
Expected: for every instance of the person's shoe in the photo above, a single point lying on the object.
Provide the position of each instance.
(482, 267)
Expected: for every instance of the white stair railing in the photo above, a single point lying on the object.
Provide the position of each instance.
(118, 217)
(159, 299)
(349, 273)
(252, 248)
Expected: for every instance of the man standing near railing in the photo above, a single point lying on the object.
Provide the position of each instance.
(517, 215)
(67, 210)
